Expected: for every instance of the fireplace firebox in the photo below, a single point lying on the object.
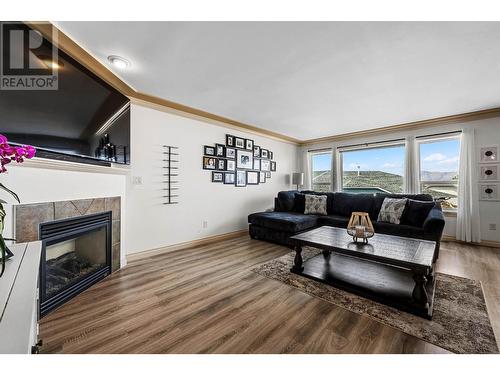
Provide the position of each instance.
(76, 253)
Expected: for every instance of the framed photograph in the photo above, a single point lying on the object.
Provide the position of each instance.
(209, 163)
(268, 175)
(209, 150)
(229, 178)
(489, 154)
(488, 173)
(220, 150)
(265, 165)
(256, 151)
(217, 176)
(231, 165)
(488, 192)
(264, 153)
(262, 177)
(239, 142)
(271, 155)
(244, 159)
(273, 166)
(230, 153)
(241, 178)
(249, 144)
(252, 178)
(221, 164)
(256, 164)
(229, 140)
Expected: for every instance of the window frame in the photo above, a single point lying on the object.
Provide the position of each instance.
(368, 146)
(313, 153)
(432, 139)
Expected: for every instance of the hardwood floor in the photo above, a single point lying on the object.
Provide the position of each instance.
(206, 300)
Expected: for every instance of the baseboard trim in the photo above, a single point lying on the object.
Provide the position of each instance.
(184, 245)
(495, 244)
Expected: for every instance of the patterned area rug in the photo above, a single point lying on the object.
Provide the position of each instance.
(460, 320)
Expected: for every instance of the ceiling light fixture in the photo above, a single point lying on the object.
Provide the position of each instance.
(119, 62)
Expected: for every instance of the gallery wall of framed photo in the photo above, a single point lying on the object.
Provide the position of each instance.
(238, 162)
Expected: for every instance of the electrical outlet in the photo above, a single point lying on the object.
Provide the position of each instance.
(137, 180)
(493, 226)
(205, 224)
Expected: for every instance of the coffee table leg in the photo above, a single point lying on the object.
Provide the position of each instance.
(297, 262)
(419, 294)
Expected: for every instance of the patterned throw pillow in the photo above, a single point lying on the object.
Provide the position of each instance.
(315, 204)
(392, 210)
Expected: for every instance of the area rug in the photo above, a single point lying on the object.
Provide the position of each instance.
(460, 320)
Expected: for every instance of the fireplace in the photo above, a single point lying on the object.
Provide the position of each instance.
(76, 253)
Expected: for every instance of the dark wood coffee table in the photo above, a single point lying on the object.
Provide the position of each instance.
(396, 271)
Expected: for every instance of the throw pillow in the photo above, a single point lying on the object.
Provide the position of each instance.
(416, 212)
(392, 209)
(315, 204)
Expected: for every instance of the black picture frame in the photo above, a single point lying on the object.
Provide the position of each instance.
(229, 178)
(221, 164)
(273, 166)
(217, 176)
(255, 177)
(231, 165)
(249, 144)
(256, 151)
(268, 175)
(220, 150)
(243, 181)
(264, 153)
(244, 159)
(262, 177)
(239, 143)
(209, 163)
(209, 150)
(229, 140)
(271, 155)
(230, 153)
(256, 164)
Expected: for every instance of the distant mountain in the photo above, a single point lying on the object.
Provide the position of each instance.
(438, 176)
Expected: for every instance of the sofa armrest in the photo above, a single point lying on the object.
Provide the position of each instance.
(434, 223)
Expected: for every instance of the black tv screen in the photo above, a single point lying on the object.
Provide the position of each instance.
(84, 119)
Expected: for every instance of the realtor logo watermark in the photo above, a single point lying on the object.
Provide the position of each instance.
(28, 60)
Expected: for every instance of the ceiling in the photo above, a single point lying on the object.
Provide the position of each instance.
(307, 79)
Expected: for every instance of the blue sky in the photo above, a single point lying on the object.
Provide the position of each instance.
(435, 157)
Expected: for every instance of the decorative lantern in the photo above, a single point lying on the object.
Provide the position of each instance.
(360, 226)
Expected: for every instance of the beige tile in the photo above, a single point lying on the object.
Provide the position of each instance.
(115, 232)
(28, 219)
(113, 204)
(115, 258)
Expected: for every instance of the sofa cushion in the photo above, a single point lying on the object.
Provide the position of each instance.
(290, 222)
(315, 204)
(398, 230)
(379, 199)
(300, 203)
(416, 212)
(392, 210)
(333, 221)
(286, 201)
(344, 204)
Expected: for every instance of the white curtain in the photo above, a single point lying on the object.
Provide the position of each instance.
(468, 226)
(411, 175)
(305, 167)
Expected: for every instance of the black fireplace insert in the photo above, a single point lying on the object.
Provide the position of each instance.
(76, 253)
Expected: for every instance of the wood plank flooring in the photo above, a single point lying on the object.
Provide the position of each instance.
(206, 300)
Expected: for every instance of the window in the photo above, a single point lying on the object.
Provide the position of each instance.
(439, 169)
(321, 171)
(376, 169)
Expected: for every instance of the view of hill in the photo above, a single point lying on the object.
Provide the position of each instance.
(438, 176)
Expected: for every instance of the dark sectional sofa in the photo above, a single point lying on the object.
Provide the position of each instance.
(288, 218)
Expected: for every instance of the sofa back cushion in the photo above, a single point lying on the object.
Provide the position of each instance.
(379, 199)
(416, 212)
(286, 201)
(344, 204)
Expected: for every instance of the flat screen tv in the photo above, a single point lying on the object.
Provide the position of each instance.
(84, 120)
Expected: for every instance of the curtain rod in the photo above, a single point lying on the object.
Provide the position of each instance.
(372, 143)
(438, 134)
(321, 149)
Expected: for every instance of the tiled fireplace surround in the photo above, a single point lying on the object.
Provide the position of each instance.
(29, 216)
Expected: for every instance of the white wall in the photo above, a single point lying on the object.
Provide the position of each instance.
(150, 224)
(487, 133)
(44, 184)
